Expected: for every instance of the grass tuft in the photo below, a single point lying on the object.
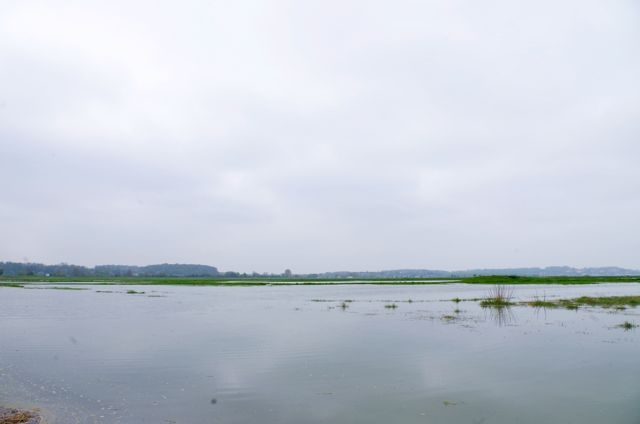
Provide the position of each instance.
(626, 326)
(499, 297)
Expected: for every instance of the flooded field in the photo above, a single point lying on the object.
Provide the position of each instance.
(318, 354)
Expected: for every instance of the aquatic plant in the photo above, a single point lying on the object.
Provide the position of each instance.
(541, 303)
(616, 302)
(627, 325)
(15, 285)
(134, 292)
(499, 297)
(391, 306)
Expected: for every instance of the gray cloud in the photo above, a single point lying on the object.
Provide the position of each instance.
(320, 135)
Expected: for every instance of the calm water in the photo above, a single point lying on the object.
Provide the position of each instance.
(293, 355)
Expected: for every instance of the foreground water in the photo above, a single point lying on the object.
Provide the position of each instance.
(299, 355)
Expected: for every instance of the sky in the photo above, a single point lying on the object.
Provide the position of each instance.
(320, 135)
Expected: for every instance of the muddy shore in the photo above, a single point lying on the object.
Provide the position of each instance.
(19, 416)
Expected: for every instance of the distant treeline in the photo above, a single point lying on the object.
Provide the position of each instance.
(12, 269)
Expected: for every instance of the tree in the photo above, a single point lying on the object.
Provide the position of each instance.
(287, 273)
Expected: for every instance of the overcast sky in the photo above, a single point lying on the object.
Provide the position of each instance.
(320, 135)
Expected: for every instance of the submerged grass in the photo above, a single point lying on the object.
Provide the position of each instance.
(627, 325)
(541, 303)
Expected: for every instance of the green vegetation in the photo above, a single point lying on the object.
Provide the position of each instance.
(66, 288)
(617, 302)
(499, 297)
(134, 292)
(538, 303)
(627, 325)
(15, 285)
(608, 301)
(391, 306)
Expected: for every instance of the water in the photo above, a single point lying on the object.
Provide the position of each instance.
(294, 355)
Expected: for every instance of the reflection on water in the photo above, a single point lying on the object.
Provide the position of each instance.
(316, 355)
(501, 315)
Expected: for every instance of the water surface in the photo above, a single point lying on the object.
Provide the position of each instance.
(298, 355)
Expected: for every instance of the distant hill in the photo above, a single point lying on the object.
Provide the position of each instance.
(552, 271)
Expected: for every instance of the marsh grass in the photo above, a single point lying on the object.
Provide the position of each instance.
(608, 301)
(134, 292)
(540, 303)
(66, 288)
(626, 326)
(391, 306)
(616, 302)
(499, 297)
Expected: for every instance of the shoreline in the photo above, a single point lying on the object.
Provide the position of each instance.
(10, 415)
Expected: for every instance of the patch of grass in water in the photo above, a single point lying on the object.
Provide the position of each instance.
(626, 326)
(608, 301)
(14, 285)
(540, 303)
(344, 305)
(391, 306)
(499, 297)
(448, 318)
(66, 288)
(616, 302)
(134, 292)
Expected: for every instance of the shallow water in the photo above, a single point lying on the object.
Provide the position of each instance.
(294, 355)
